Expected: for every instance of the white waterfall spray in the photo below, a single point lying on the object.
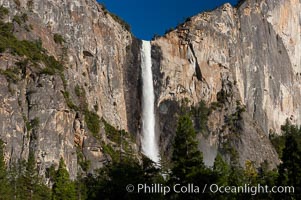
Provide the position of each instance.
(149, 142)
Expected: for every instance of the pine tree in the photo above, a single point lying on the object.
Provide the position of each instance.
(290, 168)
(222, 170)
(5, 190)
(13, 179)
(35, 189)
(187, 159)
(266, 177)
(29, 179)
(63, 188)
(250, 173)
(81, 187)
(26, 182)
(200, 114)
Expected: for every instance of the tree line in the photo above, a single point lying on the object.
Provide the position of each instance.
(22, 181)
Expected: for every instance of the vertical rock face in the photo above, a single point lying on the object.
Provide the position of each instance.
(250, 54)
(230, 58)
(100, 57)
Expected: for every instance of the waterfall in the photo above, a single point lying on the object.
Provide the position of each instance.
(149, 142)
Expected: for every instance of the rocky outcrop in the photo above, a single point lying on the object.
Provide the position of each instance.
(243, 62)
(249, 54)
(100, 57)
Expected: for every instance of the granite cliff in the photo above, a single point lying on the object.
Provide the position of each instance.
(242, 62)
(245, 56)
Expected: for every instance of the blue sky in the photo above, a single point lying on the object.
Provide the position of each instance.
(149, 17)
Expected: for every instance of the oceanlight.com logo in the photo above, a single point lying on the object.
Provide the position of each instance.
(213, 188)
(253, 190)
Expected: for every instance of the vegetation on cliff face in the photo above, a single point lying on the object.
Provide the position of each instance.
(122, 141)
(119, 20)
(63, 187)
(31, 51)
(186, 167)
(23, 180)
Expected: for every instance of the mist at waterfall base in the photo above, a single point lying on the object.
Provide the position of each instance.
(148, 142)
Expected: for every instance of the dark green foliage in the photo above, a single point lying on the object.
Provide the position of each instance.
(3, 12)
(35, 122)
(69, 102)
(93, 122)
(32, 50)
(187, 159)
(187, 166)
(63, 80)
(112, 180)
(5, 33)
(11, 74)
(24, 17)
(16, 172)
(58, 39)
(51, 173)
(290, 168)
(108, 149)
(200, 114)
(278, 142)
(266, 177)
(81, 94)
(83, 163)
(32, 124)
(222, 170)
(91, 118)
(121, 138)
(111, 132)
(25, 182)
(30, 184)
(20, 19)
(17, 19)
(233, 121)
(48, 71)
(81, 188)
(222, 96)
(77, 91)
(63, 187)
